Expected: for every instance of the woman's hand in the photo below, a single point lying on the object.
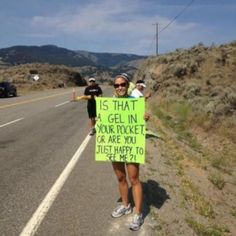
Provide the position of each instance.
(148, 95)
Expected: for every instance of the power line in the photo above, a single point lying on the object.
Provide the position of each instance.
(151, 45)
(179, 14)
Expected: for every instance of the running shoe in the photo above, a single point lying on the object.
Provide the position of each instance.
(121, 210)
(137, 222)
(92, 132)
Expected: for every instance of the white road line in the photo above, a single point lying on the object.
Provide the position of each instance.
(11, 122)
(61, 104)
(38, 216)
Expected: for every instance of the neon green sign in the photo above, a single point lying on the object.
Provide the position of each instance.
(120, 130)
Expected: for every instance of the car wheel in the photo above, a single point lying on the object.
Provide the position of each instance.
(6, 94)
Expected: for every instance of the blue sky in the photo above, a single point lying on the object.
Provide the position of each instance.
(119, 26)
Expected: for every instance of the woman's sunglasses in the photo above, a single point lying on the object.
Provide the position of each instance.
(120, 85)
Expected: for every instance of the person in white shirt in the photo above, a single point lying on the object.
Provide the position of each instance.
(138, 91)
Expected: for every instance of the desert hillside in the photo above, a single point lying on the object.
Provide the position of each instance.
(193, 112)
(204, 77)
(50, 76)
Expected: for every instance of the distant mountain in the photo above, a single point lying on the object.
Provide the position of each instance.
(110, 59)
(56, 55)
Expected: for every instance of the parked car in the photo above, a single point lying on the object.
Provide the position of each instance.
(7, 89)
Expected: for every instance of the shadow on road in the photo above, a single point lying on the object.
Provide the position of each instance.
(153, 195)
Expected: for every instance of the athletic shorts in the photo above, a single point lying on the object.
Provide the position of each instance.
(91, 108)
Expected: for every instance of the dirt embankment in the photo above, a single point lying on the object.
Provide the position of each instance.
(189, 178)
(49, 76)
(180, 196)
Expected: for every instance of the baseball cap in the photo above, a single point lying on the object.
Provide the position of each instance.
(141, 82)
(91, 79)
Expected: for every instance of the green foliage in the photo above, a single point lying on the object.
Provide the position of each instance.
(202, 230)
(195, 199)
(217, 180)
(179, 122)
(227, 128)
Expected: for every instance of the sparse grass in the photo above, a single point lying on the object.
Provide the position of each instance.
(178, 164)
(223, 161)
(179, 157)
(179, 117)
(233, 212)
(203, 230)
(180, 170)
(202, 120)
(228, 128)
(179, 122)
(195, 199)
(152, 169)
(153, 213)
(182, 110)
(217, 180)
(147, 160)
(168, 162)
(218, 161)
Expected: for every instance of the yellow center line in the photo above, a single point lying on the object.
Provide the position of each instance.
(32, 100)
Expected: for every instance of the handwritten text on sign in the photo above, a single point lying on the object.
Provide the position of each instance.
(120, 130)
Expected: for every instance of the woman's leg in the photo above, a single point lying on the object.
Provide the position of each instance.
(119, 169)
(133, 173)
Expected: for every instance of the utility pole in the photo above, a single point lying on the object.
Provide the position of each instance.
(156, 38)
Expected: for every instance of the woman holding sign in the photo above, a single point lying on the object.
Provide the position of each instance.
(121, 85)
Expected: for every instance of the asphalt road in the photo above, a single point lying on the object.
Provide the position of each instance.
(39, 135)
